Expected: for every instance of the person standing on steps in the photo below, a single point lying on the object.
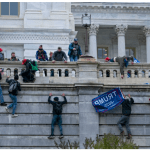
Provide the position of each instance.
(126, 112)
(2, 103)
(14, 87)
(57, 112)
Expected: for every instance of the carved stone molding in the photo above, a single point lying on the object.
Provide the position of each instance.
(121, 29)
(142, 39)
(93, 29)
(146, 30)
(32, 37)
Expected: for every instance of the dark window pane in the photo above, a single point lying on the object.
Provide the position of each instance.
(14, 8)
(104, 53)
(100, 53)
(4, 8)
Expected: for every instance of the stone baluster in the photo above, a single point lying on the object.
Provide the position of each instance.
(70, 73)
(63, 72)
(56, 73)
(111, 73)
(125, 73)
(48, 72)
(132, 74)
(41, 72)
(5, 73)
(146, 73)
(77, 73)
(12, 72)
(104, 73)
(140, 73)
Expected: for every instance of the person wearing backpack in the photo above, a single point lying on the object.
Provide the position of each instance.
(31, 68)
(1, 54)
(57, 112)
(14, 87)
(2, 103)
(74, 50)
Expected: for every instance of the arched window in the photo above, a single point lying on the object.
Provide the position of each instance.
(115, 73)
(100, 73)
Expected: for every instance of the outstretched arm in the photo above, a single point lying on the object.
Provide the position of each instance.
(49, 99)
(131, 99)
(65, 100)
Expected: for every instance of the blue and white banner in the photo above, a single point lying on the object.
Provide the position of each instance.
(108, 100)
(136, 61)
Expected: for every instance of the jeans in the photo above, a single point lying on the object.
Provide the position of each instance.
(14, 104)
(124, 120)
(1, 96)
(73, 58)
(56, 118)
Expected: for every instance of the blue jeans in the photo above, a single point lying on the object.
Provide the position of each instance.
(73, 58)
(1, 96)
(54, 120)
(14, 104)
(124, 120)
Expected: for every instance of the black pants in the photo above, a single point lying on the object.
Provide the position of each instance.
(28, 77)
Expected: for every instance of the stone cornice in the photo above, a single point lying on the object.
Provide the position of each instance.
(121, 29)
(109, 7)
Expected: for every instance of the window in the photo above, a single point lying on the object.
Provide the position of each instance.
(9, 8)
(102, 52)
(130, 51)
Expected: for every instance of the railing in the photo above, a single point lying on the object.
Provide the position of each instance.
(71, 72)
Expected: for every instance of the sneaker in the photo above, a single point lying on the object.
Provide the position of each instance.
(122, 133)
(129, 136)
(3, 104)
(13, 116)
(7, 109)
(51, 137)
(61, 136)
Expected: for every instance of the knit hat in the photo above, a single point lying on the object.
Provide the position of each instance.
(76, 39)
(24, 61)
(1, 49)
(56, 98)
(107, 58)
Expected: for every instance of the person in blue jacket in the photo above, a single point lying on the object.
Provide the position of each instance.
(41, 54)
(74, 50)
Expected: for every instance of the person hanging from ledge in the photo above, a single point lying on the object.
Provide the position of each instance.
(1, 54)
(74, 50)
(2, 103)
(41, 54)
(14, 87)
(126, 112)
(29, 73)
(13, 57)
(57, 112)
(122, 61)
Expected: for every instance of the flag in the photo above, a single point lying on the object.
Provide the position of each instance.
(136, 61)
(108, 100)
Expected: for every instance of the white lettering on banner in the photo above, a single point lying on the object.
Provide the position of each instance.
(106, 98)
(109, 103)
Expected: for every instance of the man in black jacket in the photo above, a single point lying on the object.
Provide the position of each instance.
(59, 55)
(57, 111)
(13, 95)
(28, 74)
(126, 112)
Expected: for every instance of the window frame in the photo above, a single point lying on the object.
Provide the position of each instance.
(102, 51)
(134, 49)
(9, 11)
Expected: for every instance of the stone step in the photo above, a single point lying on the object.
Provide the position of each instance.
(37, 119)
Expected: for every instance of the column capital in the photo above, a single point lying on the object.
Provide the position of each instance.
(121, 29)
(93, 29)
(146, 30)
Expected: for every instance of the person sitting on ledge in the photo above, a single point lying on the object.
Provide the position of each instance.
(31, 68)
(14, 87)
(1, 54)
(2, 103)
(122, 61)
(41, 54)
(74, 50)
(59, 55)
(13, 57)
(126, 112)
(57, 112)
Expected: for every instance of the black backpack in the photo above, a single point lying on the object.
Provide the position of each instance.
(13, 86)
(58, 108)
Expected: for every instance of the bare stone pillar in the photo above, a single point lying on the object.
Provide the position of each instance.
(93, 30)
(121, 30)
(147, 33)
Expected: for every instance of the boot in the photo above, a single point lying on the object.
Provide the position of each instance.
(51, 136)
(129, 136)
(61, 136)
(3, 104)
(14, 116)
(122, 133)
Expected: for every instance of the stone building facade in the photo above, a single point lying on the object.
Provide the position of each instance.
(117, 29)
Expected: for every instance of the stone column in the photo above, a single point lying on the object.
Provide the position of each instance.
(93, 30)
(121, 30)
(147, 33)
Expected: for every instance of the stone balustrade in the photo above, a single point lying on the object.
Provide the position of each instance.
(82, 71)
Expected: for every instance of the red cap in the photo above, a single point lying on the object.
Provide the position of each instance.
(24, 61)
(1, 49)
(107, 58)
